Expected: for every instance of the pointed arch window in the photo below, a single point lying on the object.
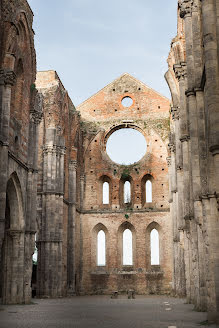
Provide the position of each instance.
(155, 253)
(127, 192)
(106, 192)
(101, 248)
(148, 189)
(127, 248)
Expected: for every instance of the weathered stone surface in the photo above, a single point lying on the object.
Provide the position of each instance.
(19, 118)
(194, 207)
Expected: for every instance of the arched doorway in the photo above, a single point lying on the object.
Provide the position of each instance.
(12, 254)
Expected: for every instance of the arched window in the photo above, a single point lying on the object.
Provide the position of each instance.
(148, 190)
(101, 248)
(155, 254)
(106, 193)
(127, 192)
(127, 248)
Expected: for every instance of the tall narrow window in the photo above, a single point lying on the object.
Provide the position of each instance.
(101, 248)
(127, 248)
(127, 192)
(155, 254)
(106, 193)
(34, 257)
(148, 191)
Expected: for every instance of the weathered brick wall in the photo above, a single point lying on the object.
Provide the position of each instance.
(102, 114)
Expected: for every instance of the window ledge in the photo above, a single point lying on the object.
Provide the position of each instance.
(126, 272)
(99, 272)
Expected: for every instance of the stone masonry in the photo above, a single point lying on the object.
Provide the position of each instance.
(53, 165)
(20, 114)
(193, 78)
(72, 167)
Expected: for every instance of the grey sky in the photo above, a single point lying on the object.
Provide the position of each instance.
(91, 42)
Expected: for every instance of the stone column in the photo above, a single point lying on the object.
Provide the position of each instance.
(211, 89)
(82, 186)
(50, 237)
(71, 226)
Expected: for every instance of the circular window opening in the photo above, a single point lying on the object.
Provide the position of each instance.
(127, 101)
(126, 146)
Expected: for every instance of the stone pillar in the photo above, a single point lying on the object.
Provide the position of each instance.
(49, 277)
(72, 187)
(7, 80)
(82, 186)
(211, 90)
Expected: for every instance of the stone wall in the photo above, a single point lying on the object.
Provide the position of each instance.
(193, 78)
(60, 164)
(72, 164)
(20, 114)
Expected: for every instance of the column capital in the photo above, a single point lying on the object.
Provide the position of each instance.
(175, 113)
(73, 165)
(172, 147)
(36, 117)
(185, 7)
(82, 178)
(168, 161)
(7, 77)
(180, 71)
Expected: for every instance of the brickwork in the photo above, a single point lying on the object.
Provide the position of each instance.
(104, 113)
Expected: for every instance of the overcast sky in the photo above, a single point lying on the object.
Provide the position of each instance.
(92, 42)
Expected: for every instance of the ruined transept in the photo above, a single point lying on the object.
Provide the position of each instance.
(61, 192)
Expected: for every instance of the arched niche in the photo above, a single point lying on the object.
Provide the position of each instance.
(15, 204)
(126, 234)
(99, 258)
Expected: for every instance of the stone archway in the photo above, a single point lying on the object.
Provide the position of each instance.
(12, 259)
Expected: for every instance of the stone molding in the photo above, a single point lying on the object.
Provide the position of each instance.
(180, 71)
(54, 149)
(50, 192)
(185, 138)
(214, 150)
(190, 92)
(49, 241)
(7, 77)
